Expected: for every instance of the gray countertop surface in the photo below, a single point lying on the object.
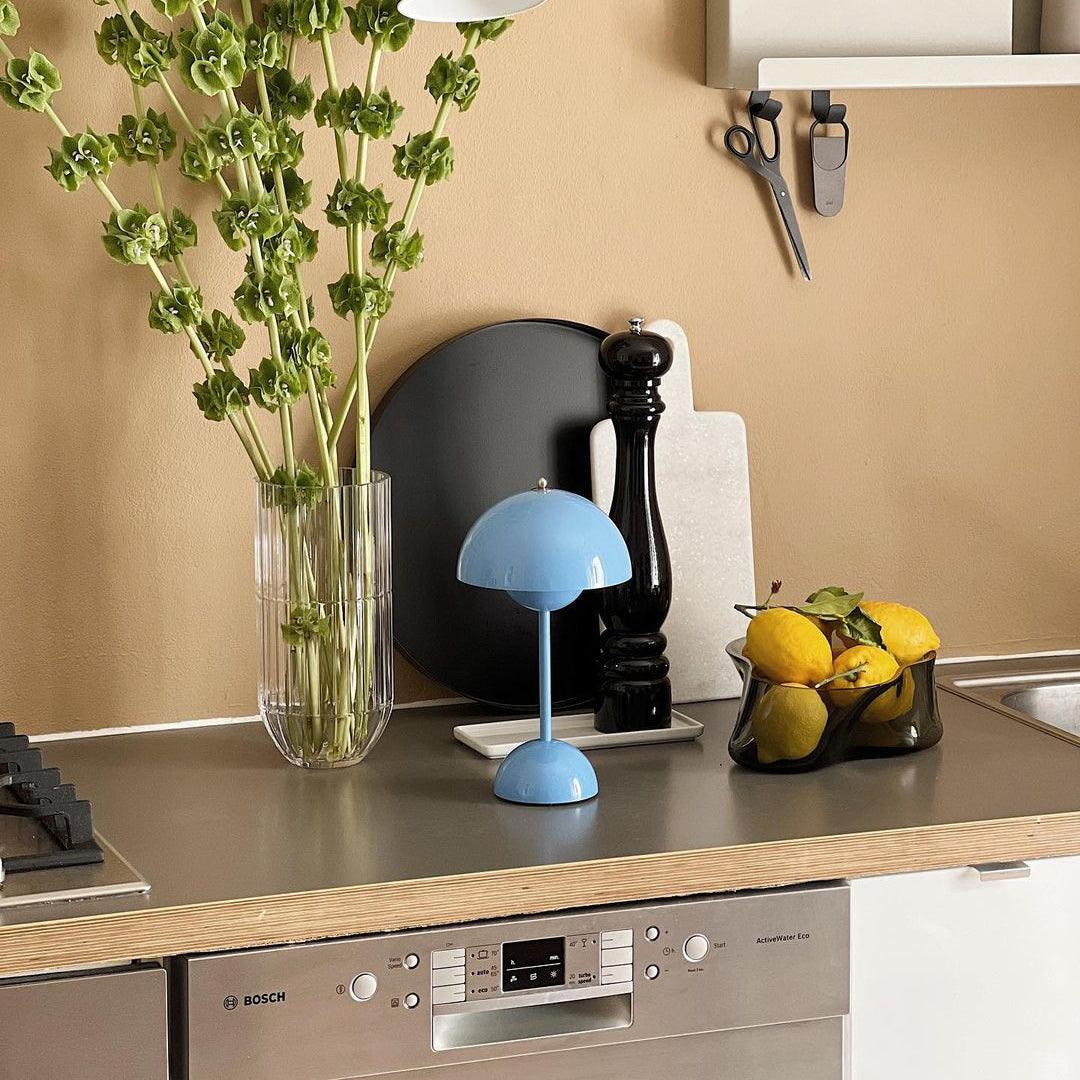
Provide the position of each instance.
(214, 814)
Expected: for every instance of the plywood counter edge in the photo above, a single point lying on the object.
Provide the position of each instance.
(400, 905)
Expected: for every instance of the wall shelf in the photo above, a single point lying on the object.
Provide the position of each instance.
(907, 72)
(880, 44)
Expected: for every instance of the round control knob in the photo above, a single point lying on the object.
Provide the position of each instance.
(412, 961)
(652, 933)
(652, 972)
(696, 948)
(364, 987)
(411, 1001)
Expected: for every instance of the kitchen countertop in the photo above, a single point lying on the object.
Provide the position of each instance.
(244, 850)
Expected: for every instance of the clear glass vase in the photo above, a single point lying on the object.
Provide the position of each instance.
(322, 565)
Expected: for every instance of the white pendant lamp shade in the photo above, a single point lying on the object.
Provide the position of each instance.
(453, 11)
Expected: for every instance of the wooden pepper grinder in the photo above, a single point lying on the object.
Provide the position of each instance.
(635, 692)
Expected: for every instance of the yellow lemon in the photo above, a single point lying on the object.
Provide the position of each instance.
(907, 633)
(787, 647)
(788, 723)
(826, 628)
(878, 668)
(893, 703)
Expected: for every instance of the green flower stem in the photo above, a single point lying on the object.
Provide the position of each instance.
(159, 194)
(363, 404)
(411, 208)
(369, 89)
(326, 456)
(174, 101)
(230, 107)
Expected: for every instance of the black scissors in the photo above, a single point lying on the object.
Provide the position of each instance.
(753, 156)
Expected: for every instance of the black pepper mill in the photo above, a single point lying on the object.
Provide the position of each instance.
(635, 692)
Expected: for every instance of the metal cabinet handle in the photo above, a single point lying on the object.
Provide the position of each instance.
(1002, 871)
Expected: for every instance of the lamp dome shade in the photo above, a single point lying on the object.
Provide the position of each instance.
(544, 541)
(453, 11)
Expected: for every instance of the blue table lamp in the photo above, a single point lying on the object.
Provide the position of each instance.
(545, 548)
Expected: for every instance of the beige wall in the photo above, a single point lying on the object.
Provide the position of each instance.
(912, 414)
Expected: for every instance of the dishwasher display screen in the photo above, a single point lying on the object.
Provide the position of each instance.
(533, 965)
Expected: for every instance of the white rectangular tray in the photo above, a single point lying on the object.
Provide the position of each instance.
(497, 738)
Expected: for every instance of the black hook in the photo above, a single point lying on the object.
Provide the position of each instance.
(825, 112)
(764, 105)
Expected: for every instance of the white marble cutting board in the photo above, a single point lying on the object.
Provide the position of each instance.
(703, 486)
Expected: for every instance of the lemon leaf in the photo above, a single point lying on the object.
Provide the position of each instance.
(833, 603)
(860, 628)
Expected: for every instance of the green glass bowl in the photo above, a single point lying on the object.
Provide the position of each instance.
(798, 728)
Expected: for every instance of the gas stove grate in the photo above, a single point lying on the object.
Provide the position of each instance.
(31, 791)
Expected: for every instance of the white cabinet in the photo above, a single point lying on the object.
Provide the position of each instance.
(957, 978)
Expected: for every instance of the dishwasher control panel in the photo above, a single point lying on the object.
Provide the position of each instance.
(379, 1005)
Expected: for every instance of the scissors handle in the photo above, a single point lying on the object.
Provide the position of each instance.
(737, 131)
(774, 157)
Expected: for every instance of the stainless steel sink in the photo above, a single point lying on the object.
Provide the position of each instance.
(1041, 691)
(1057, 705)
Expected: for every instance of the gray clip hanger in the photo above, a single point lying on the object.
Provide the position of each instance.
(829, 154)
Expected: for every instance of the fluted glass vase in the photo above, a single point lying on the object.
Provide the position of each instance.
(323, 576)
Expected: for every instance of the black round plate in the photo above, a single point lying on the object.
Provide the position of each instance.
(476, 420)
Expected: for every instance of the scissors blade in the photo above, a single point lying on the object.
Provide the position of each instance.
(791, 223)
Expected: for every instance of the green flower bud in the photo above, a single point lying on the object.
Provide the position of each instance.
(295, 243)
(151, 138)
(297, 190)
(455, 79)
(392, 247)
(221, 336)
(221, 395)
(198, 162)
(352, 294)
(9, 19)
(171, 311)
(308, 350)
(381, 21)
(351, 203)
(29, 84)
(312, 17)
(276, 296)
(281, 16)
(183, 234)
(213, 60)
(424, 155)
(489, 29)
(291, 493)
(289, 97)
(240, 220)
(173, 9)
(263, 48)
(286, 149)
(305, 625)
(111, 39)
(80, 157)
(374, 115)
(246, 135)
(148, 57)
(328, 111)
(133, 237)
(272, 387)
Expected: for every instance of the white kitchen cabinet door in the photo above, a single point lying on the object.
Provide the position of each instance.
(955, 978)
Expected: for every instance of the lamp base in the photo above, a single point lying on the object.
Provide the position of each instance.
(540, 773)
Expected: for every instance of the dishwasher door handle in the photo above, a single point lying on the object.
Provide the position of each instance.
(1002, 871)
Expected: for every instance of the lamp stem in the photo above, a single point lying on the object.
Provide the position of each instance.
(545, 676)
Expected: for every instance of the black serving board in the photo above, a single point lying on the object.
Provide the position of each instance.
(478, 419)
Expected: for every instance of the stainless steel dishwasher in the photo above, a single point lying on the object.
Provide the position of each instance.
(745, 986)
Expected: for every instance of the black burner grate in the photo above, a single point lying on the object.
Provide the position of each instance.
(31, 791)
